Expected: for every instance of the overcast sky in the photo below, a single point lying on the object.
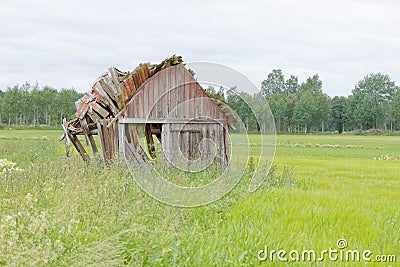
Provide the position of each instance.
(68, 43)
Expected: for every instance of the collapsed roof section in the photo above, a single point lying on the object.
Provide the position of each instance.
(106, 101)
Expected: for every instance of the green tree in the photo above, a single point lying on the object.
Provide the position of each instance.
(11, 105)
(37, 105)
(338, 114)
(48, 97)
(396, 110)
(64, 105)
(313, 107)
(372, 100)
(274, 84)
(292, 84)
(239, 102)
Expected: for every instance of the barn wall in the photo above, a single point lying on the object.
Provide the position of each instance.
(174, 94)
(173, 87)
(186, 139)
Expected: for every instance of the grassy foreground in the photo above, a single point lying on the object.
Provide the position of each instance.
(57, 211)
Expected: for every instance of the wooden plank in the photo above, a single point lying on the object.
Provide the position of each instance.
(145, 107)
(66, 137)
(121, 141)
(81, 111)
(160, 105)
(105, 97)
(152, 84)
(106, 138)
(116, 139)
(184, 96)
(114, 80)
(93, 116)
(77, 144)
(126, 91)
(151, 98)
(132, 155)
(136, 80)
(226, 144)
(146, 70)
(135, 143)
(107, 88)
(166, 93)
(100, 110)
(173, 93)
(101, 139)
(112, 138)
(88, 136)
(132, 86)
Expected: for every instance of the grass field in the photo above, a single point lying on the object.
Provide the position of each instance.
(57, 211)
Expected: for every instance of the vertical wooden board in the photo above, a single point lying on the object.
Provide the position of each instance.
(164, 140)
(78, 146)
(125, 91)
(153, 84)
(207, 148)
(201, 107)
(186, 147)
(202, 128)
(121, 141)
(206, 109)
(156, 95)
(167, 92)
(173, 95)
(140, 103)
(129, 109)
(145, 104)
(106, 139)
(220, 144)
(162, 88)
(195, 100)
(101, 140)
(111, 134)
(135, 107)
(136, 79)
(151, 98)
(179, 97)
(132, 86)
(88, 135)
(149, 102)
(161, 92)
(226, 144)
(184, 95)
(146, 70)
(116, 138)
(189, 82)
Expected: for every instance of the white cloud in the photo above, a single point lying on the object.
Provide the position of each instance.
(70, 43)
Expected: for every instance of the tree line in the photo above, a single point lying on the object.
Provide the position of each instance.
(297, 107)
(374, 103)
(30, 105)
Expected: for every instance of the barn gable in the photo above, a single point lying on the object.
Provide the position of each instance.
(173, 93)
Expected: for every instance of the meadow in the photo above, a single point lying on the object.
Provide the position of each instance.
(58, 211)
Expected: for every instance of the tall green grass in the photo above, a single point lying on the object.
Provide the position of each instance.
(59, 211)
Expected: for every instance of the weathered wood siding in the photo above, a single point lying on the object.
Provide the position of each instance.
(173, 87)
(174, 94)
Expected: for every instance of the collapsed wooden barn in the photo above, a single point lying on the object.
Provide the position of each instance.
(163, 101)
